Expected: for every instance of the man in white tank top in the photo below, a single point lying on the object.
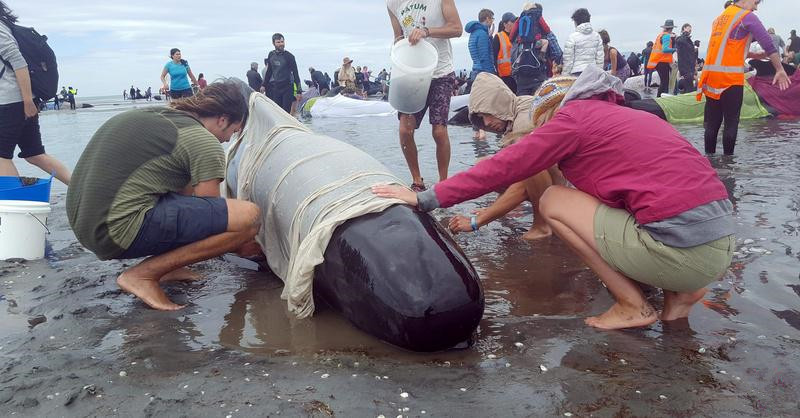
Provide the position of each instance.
(436, 21)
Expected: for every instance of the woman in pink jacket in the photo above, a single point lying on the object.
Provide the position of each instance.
(647, 206)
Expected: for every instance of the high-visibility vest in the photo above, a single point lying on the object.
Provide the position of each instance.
(504, 56)
(725, 58)
(658, 54)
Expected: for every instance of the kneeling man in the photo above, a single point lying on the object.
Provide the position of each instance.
(148, 184)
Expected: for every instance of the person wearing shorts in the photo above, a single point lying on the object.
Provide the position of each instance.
(19, 110)
(436, 21)
(179, 74)
(148, 184)
(647, 206)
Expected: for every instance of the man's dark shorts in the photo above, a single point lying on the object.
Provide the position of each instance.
(438, 103)
(16, 130)
(177, 221)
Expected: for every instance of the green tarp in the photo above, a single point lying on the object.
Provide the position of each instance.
(685, 107)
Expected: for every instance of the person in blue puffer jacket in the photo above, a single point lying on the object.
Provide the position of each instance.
(480, 44)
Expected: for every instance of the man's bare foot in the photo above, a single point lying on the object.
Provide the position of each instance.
(182, 274)
(678, 305)
(148, 291)
(480, 134)
(618, 317)
(538, 232)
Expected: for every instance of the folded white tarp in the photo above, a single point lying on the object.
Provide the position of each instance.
(306, 185)
(345, 107)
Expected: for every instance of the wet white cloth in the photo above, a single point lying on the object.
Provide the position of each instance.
(306, 185)
(345, 107)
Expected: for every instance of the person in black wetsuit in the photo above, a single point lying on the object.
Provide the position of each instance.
(281, 75)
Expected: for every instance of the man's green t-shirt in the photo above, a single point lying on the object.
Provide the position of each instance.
(130, 162)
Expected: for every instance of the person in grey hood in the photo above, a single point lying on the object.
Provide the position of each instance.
(254, 79)
(19, 110)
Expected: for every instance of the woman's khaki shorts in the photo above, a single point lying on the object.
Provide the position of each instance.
(631, 250)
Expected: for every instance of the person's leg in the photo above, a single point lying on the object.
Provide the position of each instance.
(143, 279)
(408, 124)
(712, 120)
(51, 166)
(287, 100)
(731, 101)
(12, 120)
(535, 187)
(438, 111)
(442, 139)
(663, 70)
(571, 214)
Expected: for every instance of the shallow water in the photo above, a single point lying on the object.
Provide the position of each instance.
(738, 353)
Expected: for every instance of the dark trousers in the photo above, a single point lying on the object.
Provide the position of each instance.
(527, 85)
(663, 69)
(686, 84)
(727, 109)
(648, 77)
(282, 95)
(510, 82)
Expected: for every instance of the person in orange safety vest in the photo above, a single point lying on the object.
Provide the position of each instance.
(502, 48)
(661, 57)
(723, 76)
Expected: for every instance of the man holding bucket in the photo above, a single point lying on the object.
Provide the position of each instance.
(436, 21)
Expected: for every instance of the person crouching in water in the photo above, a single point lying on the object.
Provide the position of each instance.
(148, 184)
(647, 207)
(494, 107)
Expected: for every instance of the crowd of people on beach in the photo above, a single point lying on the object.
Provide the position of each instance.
(627, 193)
(136, 94)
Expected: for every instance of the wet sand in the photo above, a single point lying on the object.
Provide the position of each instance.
(72, 344)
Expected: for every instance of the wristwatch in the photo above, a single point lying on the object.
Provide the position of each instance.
(473, 221)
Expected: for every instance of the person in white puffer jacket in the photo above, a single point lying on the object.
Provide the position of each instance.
(584, 46)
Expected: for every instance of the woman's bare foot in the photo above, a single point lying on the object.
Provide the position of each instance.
(678, 305)
(182, 274)
(538, 232)
(618, 317)
(148, 291)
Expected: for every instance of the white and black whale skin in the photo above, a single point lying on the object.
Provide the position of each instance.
(398, 276)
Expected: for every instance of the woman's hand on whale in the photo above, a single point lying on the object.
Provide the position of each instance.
(395, 192)
(461, 223)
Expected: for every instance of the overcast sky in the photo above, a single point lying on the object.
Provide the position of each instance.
(105, 46)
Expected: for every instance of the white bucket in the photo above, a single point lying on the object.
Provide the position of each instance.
(412, 71)
(23, 225)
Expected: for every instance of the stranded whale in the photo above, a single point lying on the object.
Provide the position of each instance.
(391, 271)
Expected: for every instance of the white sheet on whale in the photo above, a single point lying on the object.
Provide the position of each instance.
(306, 185)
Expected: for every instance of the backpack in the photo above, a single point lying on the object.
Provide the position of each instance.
(529, 28)
(41, 61)
(525, 60)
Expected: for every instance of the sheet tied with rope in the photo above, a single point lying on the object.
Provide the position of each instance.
(306, 185)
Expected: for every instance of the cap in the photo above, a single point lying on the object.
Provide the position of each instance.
(508, 17)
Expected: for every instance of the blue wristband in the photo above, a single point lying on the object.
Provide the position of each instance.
(473, 221)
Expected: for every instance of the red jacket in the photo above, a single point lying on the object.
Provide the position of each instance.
(626, 158)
